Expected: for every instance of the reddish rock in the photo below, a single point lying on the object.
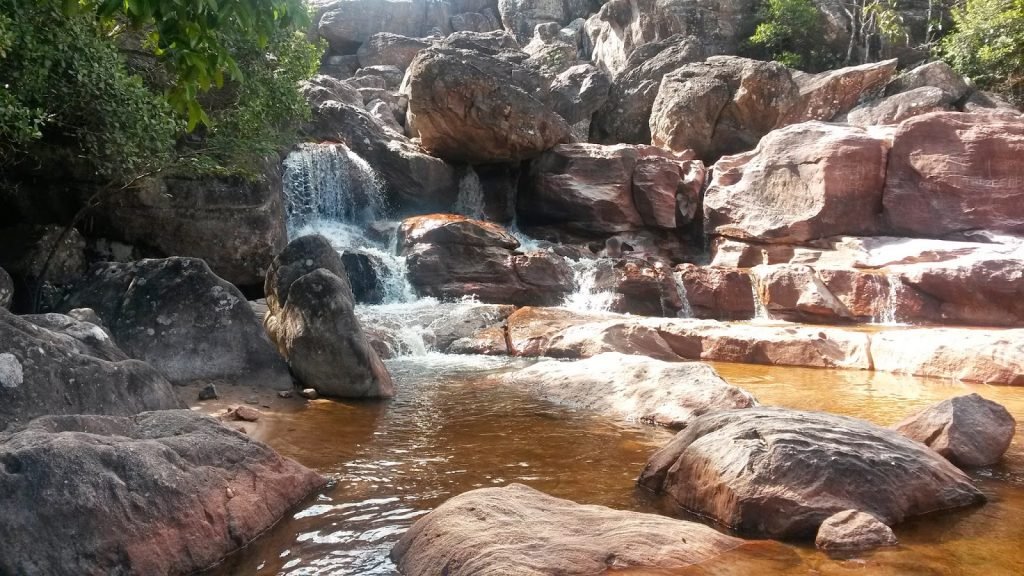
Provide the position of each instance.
(639, 287)
(453, 229)
(835, 92)
(953, 172)
(530, 329)
(168, 492)
(780, 473)
(518, 530)
(591, 188)
(853, 530)
(802, 182)
(717, 292)
(966, 430)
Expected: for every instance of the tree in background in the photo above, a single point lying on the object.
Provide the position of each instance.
(987, 45)
(790, 32)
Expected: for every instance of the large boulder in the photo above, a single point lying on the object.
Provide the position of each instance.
(721, 106)
(387, 49)
(780, 473)
(25, 250)
(590, 188)
(346, 24)
(168, 492)
(625, 118)
(235, 224)
(951, 172)
(636, 286)
(311, 317)
(833, 93)
(899, 107)
(55, 364)
(451, 256)
(967, 430)
(635, 388)
(803, 182)
(719, 292)
(987, 356)
(577, 93)
(519, 531)
(472, 107)
(521, 17)
(177, 315)
(937, 74)
(853, 530)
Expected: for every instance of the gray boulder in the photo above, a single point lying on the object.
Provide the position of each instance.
(55, 364)
(898, 107)
(181, 318)
(936, 74)
(966, 430)
(168, 492)
(386, 49)
(6, 289)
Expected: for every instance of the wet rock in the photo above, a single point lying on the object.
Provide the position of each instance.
(780, 473)
(853, 530)
(6, 289)
(54, 364)
(235, 224)
(209, 392)
(899, 107)
(936, 74)
(833, 93)
(632, 387)
(950, 172)
(638, 287)
(966, 430)
(454, 230)
(309, 393)
(717, 292)
(518, 530)
(181, 318)
(589, 188)
(107, 489)
(802, 182)
(387, 49)
(486, 341)
(312, 320)
(244, 413)
(471, 107)
(721, 106)
(361, 269)
(625, 118)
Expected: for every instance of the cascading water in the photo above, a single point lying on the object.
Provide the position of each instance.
(332, 191)
(760, 312)
(470, 202)
(887, 314)
(587, 297)
(686, 311)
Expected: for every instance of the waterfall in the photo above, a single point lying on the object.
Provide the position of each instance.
(686, 311)
(887, 314)
(470, 201)
(760, 312)
(586, 297)
(332, 191)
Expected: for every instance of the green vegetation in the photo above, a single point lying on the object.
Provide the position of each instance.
(987, 45)
(127, 87)
(790, 32)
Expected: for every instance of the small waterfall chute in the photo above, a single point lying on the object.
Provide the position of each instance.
(587, 297)
(685, 311)
(760, 311)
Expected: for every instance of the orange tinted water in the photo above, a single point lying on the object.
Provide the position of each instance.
(448, 432)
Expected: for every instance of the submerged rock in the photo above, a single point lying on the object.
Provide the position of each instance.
(311, 317)
(168, 492)
(55, 364)
(853, 530)
(519, 531)
(632, 387)
(779, 473)
(178, 316)
(966, 430)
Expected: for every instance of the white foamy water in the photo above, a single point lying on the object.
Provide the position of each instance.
(685, 311)
(587, 297)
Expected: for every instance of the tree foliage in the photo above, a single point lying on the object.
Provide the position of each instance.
(790, 32)
(987, 45)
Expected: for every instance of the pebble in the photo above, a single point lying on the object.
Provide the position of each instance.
(309, 393)
(209, 392)
(285, 394)
(246, 413)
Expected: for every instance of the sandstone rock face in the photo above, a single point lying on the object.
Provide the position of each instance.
(899, 107)
(638, 287)
(311, 317)
(521, 16)
(936, 74)
(721, 106)
(966, 430)
(235, 225)
(519, 531)
(54, 364)
(591, 188)
(577, 93)
(625, 118)
(781, 473)
(833, 93)
(6, 289)
(452, 256)
(322, 88)
(632, 387)
(386, 49)
(853, 530)
(802, 182)
(412, 178)
(346, 24)
(471, 107)
(995, 357)
(551, 52)
(929, 194)
(168, 492)
(182, 319)
(717, 292)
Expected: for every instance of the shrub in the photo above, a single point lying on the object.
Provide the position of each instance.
(987, 45)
